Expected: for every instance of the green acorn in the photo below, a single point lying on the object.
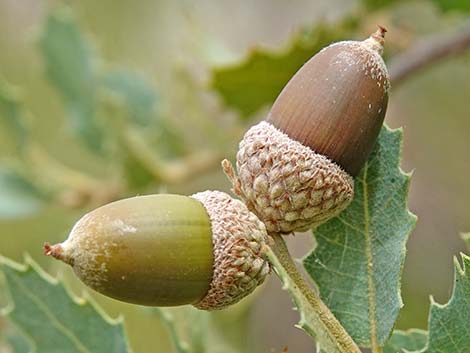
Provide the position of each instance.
(165, 250)
(295, 170)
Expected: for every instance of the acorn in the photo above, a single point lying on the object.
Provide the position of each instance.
(295, 170)
(166, 250)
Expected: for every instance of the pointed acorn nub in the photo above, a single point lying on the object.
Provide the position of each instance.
(57, 252)
(335, 104)
(167, 250)
(52, 250)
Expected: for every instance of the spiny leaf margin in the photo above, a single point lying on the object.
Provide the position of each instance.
(29, 284)
(349, 249)
(448, 323)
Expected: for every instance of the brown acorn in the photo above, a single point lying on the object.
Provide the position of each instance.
(296, 169)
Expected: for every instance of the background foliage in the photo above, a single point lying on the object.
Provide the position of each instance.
(101, 100)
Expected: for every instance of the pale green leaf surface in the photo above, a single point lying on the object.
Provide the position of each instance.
(52, 320)
(449, 324)
(11, 116)
(139, 97)
(18, 196)
(406, 341)
(140, 100)
(17, 341)
(358, 261)
(258, 80)
(71, 69)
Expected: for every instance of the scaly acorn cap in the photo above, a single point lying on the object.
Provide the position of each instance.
(167, 250)
(296, 169)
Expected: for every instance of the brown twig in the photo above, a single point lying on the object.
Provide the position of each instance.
(426, 53)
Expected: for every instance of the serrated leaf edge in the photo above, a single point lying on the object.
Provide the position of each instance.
(460, 270)
(412, 216)
(84, 300)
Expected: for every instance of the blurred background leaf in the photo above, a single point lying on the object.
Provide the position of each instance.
(258, 80)
(71, 68)
(18, 196)
(138, 96)
(453, 5)
(11, 115)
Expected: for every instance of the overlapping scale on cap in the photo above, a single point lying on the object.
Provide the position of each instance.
(286, 184)
(239, 239)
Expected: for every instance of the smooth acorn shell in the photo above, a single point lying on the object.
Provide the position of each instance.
(335, 104)
(150, 250)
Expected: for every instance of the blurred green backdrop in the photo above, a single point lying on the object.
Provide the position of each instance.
(172, 53)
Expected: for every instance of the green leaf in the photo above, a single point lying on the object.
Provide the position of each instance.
(259, 79)
(11, 114)
(137, 94)
(70, 66)
(18, 196)
(52, 320)
(449, 323)
(406, 341)
(359, 257)
(140, 101)
(453, 5)
(17, 342)
(137, 174)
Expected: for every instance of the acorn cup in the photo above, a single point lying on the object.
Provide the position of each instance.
(295, 169)
(165, 250)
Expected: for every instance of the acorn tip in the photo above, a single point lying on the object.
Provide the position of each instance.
(379, 34)
(53, 250)
(381, 31)
(377, 39)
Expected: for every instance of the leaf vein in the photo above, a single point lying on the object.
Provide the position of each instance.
(42, 307)
(371, 289)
